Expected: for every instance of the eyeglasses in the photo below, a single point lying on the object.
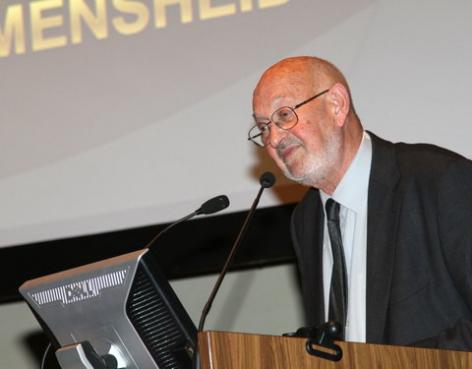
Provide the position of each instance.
(285, 118)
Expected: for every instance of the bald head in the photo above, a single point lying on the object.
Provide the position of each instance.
(298, 74)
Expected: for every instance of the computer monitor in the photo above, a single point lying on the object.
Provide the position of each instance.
(122, 307)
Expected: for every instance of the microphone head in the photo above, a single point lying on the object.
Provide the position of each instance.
(267, 179)
(213, 205)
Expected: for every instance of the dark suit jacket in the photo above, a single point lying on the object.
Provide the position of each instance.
(419, 247)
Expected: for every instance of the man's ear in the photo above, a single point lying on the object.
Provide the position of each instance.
(339, 103)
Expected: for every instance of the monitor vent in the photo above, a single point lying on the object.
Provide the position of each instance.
(155, 324)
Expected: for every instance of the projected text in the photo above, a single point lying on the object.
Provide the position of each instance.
(58, 23)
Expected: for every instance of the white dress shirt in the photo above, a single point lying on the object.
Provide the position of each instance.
(351, 193)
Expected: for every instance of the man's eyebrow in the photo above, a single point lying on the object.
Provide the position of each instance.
(260, 119)
(275, 102)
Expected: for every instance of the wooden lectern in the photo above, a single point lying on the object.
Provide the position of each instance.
(223, 350)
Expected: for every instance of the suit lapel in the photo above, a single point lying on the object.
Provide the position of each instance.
(383, 211)
(319, 229)
(310, 218)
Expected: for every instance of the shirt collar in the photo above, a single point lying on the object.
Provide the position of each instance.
(352, 190)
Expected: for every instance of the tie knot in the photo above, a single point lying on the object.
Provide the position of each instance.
(332, 210)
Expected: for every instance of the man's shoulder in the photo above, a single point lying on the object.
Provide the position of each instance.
(421, 152)
(418, 159)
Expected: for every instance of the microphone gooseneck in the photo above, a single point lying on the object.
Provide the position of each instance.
(266, 180)
(211, 206)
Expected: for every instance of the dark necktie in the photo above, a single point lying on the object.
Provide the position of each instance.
(338, 289)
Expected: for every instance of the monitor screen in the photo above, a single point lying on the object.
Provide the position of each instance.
(122, 306)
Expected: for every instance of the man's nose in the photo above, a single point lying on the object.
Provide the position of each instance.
(276, 134)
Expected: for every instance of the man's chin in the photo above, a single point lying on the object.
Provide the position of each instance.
(302, 175)
(299, 178)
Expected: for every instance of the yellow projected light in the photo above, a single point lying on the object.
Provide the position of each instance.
(47, 19)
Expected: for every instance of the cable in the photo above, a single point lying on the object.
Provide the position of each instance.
(46, 352)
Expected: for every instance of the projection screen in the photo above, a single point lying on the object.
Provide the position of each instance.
(123, 113)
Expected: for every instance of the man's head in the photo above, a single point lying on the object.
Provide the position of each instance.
(319, 148)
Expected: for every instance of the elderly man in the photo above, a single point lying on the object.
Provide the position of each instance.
(383, 236)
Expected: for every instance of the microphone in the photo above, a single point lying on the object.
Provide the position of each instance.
(266, 180)
(211, 206)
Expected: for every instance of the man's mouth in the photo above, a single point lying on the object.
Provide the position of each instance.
(286, 151)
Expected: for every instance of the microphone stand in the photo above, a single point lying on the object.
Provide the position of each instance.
(266, 180)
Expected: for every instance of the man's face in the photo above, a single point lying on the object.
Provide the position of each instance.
(308, 152)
